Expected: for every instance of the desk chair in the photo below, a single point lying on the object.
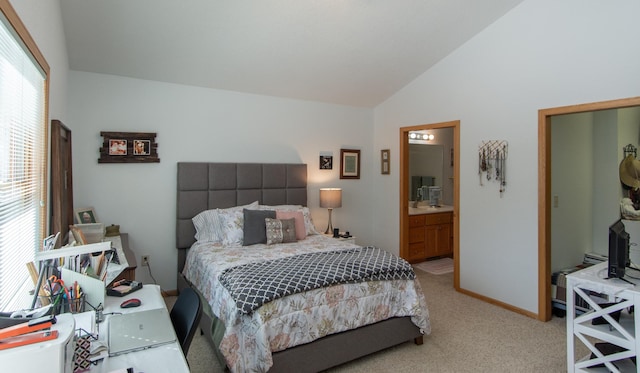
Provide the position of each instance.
(185, 317)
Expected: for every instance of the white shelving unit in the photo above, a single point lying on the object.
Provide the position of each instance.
(620, 333)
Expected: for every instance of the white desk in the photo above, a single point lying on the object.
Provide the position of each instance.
(165, 358)
(621, 333)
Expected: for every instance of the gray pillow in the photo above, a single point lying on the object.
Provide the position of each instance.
(255, 229)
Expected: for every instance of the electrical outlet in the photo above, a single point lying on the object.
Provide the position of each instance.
(145, 260)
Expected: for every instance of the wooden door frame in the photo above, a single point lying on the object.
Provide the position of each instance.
(61, 182)
(544, 191)
(404, 194)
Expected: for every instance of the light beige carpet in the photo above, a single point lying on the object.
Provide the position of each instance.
(437, 266)
(467, 335)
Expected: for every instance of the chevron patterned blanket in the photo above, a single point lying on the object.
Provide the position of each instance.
(252, 285)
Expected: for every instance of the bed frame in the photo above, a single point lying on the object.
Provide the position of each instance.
(203, 186)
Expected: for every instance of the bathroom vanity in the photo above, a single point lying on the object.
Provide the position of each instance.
(430, 232)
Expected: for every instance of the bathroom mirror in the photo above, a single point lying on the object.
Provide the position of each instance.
(426, 168)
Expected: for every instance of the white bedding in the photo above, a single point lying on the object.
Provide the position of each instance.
(298, 318)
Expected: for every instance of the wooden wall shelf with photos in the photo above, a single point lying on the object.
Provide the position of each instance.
(128, 147)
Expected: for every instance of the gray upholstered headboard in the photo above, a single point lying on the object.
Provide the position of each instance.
(203, 186)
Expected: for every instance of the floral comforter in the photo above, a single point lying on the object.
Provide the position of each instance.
(300, 318)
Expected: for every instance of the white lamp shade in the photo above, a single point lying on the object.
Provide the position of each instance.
(330, 197)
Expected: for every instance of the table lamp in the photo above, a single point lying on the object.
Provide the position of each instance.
(330, 198)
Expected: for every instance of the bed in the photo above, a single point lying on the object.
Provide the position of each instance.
(308, 331)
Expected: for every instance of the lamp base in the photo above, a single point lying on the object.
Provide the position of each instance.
(329, 226)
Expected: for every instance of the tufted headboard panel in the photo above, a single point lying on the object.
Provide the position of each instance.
(203, 186)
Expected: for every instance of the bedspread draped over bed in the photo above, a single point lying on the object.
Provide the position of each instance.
(299, 318)
(252, 285)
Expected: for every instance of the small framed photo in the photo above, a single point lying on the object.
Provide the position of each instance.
(349, 164)
(384, 161)
(117, 147)
(85, 215)
(326, 162)
(141, 147)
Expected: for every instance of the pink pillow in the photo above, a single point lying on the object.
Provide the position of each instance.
(301, 231)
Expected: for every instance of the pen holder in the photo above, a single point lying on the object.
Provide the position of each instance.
(63, 305)
(74, 305)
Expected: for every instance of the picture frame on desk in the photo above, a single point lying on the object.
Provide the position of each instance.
(85, 215)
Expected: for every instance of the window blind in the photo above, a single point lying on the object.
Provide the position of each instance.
(22, 165)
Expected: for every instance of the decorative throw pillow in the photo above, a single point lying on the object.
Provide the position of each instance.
(232, 222)
(308, 222)
(254, 230)
(301, 231)
(208, 227)
(280, 230)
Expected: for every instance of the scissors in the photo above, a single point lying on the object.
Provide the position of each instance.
(55, 280)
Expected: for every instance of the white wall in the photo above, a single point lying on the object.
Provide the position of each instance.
(572, 155)
(607, 190)
(198, 124)
(542, 54)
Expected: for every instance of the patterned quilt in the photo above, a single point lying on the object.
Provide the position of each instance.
(252, 285)
(250, 339)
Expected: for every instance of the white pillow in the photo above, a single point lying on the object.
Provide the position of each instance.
(208, 226)
(308, 222)
(232, 222)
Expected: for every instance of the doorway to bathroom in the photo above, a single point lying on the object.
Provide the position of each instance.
(449, 182)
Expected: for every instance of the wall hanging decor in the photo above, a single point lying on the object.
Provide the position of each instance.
(385, 159)
(128, 147)
(349, 164)
(326, 162)
(492, 162)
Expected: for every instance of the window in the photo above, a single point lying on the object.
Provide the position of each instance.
(23, 161)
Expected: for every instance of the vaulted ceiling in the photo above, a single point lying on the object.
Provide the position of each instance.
(350, 52)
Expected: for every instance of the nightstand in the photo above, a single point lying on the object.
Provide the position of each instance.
(351, 239)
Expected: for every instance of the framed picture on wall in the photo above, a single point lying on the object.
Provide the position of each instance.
(349, 164)
(117, 147)
(326, 162)
(141, 147)
(384, 161)
(128, 147)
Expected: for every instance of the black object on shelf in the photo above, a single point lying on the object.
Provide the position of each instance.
(123, 287)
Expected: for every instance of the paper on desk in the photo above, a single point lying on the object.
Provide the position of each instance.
(99, 350)
(86, 321)
(114, 269)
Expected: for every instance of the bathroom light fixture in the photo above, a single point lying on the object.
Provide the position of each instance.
(421, 136)
(330, 198)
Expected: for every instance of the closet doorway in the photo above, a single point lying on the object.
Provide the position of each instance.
(546, 200)
(454, 158)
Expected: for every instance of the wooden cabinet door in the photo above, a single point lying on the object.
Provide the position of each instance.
(431, 240)
(444, 239)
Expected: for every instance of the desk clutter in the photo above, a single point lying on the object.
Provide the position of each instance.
(74, 276)
(82, 342)
(63, 297)
(123, 287)
(44, 343)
